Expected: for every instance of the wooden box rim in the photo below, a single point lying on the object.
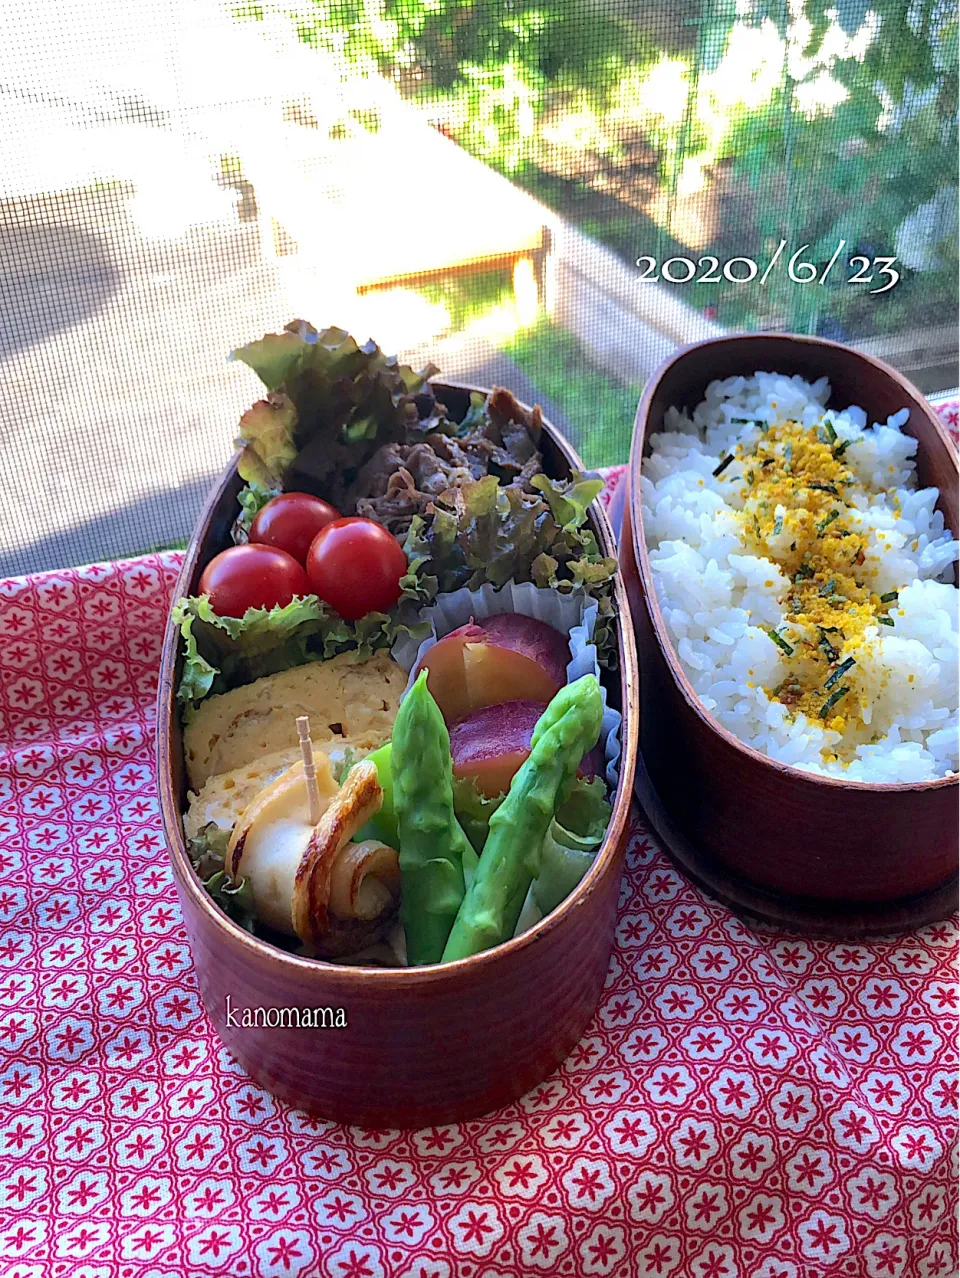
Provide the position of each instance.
(641, 557)
(168, 726)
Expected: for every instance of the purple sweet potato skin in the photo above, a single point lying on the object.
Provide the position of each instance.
(494, 730)
(591, 765)
(490, 744)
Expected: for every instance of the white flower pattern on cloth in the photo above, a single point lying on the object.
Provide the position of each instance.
(743, 1105)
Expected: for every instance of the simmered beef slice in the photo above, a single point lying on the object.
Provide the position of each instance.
(519, 427)
(395, 507)
(374, 476)
(433, 473)
(476, 460)
(401, 480)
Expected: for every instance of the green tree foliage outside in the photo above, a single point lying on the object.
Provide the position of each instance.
(602, 408)
(606, 109)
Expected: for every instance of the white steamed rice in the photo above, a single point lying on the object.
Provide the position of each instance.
(718, 600)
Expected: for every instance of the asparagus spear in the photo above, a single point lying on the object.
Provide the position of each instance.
(383, 824)
(433, 848)
(566, 730)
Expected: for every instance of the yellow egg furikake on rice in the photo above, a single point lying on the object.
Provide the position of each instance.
(805, 580)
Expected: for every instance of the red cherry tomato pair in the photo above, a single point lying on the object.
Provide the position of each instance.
(299, 546)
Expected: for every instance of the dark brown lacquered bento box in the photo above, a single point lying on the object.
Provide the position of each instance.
(825, 854)
(426, 1045)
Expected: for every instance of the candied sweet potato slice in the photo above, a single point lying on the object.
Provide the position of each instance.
(507, 657)
(491, 743)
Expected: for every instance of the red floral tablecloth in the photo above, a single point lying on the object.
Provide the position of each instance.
(743, 1105)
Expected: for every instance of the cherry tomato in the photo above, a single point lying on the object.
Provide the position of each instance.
(291, 521)
(252, 576)
(356, 565)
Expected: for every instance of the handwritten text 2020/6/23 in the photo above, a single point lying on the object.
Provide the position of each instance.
(744, 270)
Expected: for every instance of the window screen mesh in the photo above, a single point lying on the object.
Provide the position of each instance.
(518, 190)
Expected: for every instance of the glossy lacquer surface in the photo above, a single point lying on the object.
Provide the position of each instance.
(425, 1046)
(840, 856)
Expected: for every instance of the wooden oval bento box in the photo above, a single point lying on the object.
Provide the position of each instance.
(831, 856)
(421, 1046)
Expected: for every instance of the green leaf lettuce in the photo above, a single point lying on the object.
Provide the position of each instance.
(252, 498)
(332, 403)
(225, 652)
(485, 532)
(206, 851)
(266, 437)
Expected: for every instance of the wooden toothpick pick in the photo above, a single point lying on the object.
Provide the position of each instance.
(309, 769)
